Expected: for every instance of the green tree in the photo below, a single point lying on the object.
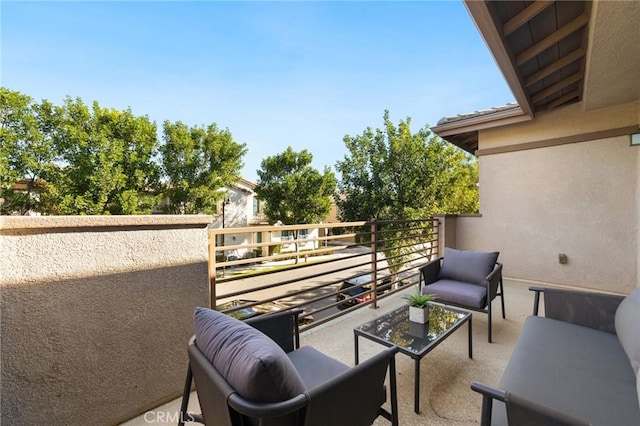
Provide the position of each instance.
(107, 159)
(27, 153)
(197, 163)
(293, 191)
(394, 174)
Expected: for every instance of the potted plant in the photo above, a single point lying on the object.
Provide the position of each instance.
(419, 306)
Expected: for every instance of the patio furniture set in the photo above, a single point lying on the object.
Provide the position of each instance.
(254, 372)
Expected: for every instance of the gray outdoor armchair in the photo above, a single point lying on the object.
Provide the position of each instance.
(255, 373)
(467, 279)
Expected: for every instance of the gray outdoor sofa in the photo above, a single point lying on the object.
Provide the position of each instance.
(578, 365)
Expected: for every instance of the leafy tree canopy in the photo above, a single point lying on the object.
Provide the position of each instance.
(107, 158)
(198, 162)
(293, 191)
(26, 152)
(392, 173)
(75, 159)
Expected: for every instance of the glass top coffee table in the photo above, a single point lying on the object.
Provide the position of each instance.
(414, 339)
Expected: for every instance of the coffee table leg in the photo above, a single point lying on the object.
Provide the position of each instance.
(470, 339)
(416, 391)
(355, 343)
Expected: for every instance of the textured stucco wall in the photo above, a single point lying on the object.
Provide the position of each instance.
(577, 199)
(96, 313)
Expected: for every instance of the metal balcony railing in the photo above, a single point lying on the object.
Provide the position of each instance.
(326, 270)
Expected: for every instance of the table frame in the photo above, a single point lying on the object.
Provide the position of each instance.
(417, 357)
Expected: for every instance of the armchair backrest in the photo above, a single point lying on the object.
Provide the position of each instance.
(281, 327)
(467, 266)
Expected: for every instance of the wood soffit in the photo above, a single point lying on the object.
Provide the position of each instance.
(540, 47)
(547, 44)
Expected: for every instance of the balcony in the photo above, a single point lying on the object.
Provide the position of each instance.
(97, 312)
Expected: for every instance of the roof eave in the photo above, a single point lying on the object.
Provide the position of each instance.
(481, 15)
(476, 123)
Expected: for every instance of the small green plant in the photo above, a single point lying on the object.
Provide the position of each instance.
(419, 300)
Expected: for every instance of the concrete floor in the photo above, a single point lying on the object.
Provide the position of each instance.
(445, 373)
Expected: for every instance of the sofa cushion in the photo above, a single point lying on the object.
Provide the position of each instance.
(253, 364)
(628, 327)
(467, 266)
(458, 292)
(574, 369)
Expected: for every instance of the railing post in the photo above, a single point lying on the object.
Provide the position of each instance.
(212, 268)
(435, 224)
(374, 264)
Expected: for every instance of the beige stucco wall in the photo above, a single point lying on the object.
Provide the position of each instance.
(96, 313)
(579, 199)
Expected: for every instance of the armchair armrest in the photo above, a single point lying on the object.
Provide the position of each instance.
(493, 279)
(429, 272)
(366, 380)
(589, 309)
(267, 410)
(281, 327)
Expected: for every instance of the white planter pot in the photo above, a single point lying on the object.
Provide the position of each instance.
(419, 315)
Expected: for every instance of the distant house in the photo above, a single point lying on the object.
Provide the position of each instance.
(242, 208)
(25, 186)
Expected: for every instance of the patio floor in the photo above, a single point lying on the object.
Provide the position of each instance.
(446, 373)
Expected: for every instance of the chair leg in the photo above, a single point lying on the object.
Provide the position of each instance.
(502, 299)
(185, 397)
(394, 392)
(489, 321)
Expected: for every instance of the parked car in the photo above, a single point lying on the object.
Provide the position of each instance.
(253, 311)
(357, 287)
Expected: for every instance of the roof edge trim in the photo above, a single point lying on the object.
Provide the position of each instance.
(480, 122)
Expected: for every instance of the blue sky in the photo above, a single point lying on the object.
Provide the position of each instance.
(276, 74)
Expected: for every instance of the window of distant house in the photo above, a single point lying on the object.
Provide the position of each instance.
(256, 206)
(290, 235)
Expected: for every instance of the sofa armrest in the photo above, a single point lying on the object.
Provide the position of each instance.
(429, 272)
(521, 411)
(589, 309)
(488, 395)
(281, 327)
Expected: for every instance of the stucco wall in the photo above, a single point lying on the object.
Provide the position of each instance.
(578, 199)
(96, 313)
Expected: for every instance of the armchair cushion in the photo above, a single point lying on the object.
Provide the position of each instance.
(253, 364)
(314, 367)
(458, 292)
(467, 266)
